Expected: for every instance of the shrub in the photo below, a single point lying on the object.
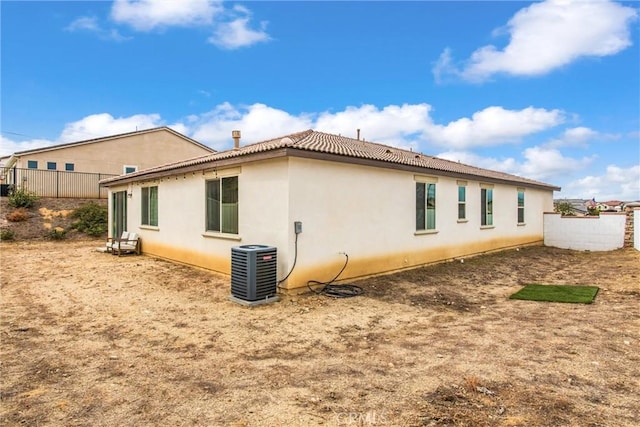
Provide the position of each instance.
(7, 234)
(57, 233)
(565, 208)
(18, 215)
(19, 198)
(91, 219)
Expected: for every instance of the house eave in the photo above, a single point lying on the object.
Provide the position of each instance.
(200, 168)
(414, 169)
(308, 154)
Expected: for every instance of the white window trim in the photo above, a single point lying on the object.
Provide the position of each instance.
(223, 236)
(487, 187)
(426, 179)
(124, 168)
(462, 184)
(423, 232)
(518, 191)
(219, 176)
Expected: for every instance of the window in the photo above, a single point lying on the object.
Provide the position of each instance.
(150, 206)
(32, 164)
(462, 202)
(69, 167)
(222, 205)
(129, 169)
(425, 206)
(486, 209)
(520, 206)
(51, 166)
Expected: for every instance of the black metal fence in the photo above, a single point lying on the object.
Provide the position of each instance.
(59, 184)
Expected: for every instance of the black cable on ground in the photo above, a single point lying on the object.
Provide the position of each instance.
(336, 291)
(295, 259)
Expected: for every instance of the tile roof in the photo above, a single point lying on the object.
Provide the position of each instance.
(321, 142)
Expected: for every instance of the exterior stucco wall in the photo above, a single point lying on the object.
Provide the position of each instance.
(181, 236)
(110, 156)
(369, 213)
(366, 212)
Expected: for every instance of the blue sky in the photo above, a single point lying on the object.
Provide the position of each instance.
(548, 90)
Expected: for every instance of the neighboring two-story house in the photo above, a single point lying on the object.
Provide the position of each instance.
(84, 163)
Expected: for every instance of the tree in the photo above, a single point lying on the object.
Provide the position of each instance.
(565, 208)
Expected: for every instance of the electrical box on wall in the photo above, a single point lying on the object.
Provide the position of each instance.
(297, 226)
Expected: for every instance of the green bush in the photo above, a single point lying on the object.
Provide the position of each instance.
(6, 234)
(57, 233)
(565, 208)
(19, 198)
(91, 219)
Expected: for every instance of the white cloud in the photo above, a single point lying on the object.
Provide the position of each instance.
(8, 146)
(579, 134)
(508, 165)
(392, 125)
(236, 33)
(257, 122)
(573, 137)
(91, 24)
(547, 163)
(492, 126)
(404, 126)
(444, 69)
(231, 27)
(147, 15)
(580, 137)
(614, 184)
(99, 125)
(546, 36)
(539, 163)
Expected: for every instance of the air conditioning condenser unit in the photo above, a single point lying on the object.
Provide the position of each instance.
(254, 274)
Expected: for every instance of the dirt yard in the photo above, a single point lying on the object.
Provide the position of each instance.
(89, 339)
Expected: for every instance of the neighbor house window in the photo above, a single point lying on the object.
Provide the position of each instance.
(129, 169)
(222, 205)
(150, 206)
(520, 206)
(69, 167)
(51, 166)
(486, 208)
(425, 206)
(462, 201)
(32, 164)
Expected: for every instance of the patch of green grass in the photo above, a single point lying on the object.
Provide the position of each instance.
(557, 293)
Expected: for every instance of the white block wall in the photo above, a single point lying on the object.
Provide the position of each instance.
(636, 228)
(586, 233)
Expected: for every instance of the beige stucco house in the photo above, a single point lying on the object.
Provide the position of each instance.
(387, 208)
(110, 155)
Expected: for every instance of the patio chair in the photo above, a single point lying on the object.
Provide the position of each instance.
(111, 241)
(130, 245)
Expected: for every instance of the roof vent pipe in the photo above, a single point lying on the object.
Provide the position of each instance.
(358, 135)
(235, 134)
